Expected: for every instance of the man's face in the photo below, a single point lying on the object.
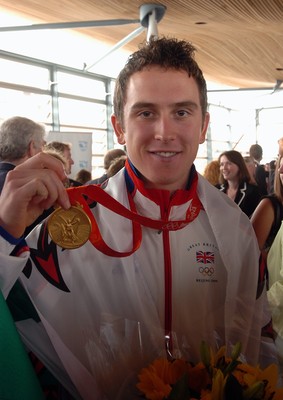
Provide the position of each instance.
(163, 126)
(69, 161)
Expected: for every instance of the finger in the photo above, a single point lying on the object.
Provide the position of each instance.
(40, 186)
(28, 199)
(45, 161)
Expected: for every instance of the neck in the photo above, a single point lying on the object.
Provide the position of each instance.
(16, 162)
(233, 184)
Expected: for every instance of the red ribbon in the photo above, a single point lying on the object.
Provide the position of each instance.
(97, 194)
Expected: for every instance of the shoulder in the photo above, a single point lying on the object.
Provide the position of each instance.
(99, 180)
(276, 204)
(260, 170)
(5, 166)
(266, 203)
(253, 189)
(220, 186)
(74, 183)
(264, 212)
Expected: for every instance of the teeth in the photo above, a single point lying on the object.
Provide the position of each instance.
(165, 153)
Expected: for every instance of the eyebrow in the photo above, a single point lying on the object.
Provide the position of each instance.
(188, 103)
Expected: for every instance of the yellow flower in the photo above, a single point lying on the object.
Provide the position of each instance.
(212, 379)
(153, 386)
(156, 380)
(218, 383)
(248, 376)
(270, 378)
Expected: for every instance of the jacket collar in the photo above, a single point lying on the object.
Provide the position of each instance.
(134, 182)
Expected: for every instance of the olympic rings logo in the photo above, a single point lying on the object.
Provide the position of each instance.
(206, 271)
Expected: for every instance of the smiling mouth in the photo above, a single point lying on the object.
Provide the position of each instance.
(165, 154)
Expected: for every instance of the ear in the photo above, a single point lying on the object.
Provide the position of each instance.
(204, 128)
(119, 132)
(31, 149)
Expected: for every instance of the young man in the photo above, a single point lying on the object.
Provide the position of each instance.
(168, 260)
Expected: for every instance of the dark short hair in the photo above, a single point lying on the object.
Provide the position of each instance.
(111, 155)
(167, 53)
(256, 151)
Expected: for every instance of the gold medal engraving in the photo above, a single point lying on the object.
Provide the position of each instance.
(69, 229)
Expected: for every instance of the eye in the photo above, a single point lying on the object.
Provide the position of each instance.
(145, 114)
(182, 113)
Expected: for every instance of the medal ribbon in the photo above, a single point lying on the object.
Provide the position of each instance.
(96, 193)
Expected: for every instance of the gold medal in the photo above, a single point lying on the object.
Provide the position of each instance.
(69, 229)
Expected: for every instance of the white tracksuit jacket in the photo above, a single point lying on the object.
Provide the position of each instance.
(106, 316)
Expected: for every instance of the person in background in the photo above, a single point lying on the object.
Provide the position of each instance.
(108, 158)
(256, 153)
(251, 166)
(267, 217)
(65, 149)
(57, 155)
(160, 268)
(271, 176)
(20, 139)
(235, 181)
(212, 172)
(115, 165)
(83, 176)
(280, 146)
(267, 221)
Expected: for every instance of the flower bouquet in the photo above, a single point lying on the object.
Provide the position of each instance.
(215, 377)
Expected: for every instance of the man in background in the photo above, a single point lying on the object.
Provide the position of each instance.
(260, 173)
(20, 139)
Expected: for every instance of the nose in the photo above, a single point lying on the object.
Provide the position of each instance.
(165, 129)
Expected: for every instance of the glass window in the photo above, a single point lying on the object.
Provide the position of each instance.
(271, 114)
(24, 74)
(82, 113)
(26, 104)
(81, 86)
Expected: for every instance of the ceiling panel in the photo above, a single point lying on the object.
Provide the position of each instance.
(238, 42)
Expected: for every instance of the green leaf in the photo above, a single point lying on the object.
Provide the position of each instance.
(205, 354)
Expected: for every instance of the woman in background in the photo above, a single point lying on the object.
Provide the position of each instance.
(268, 215)
(267, 222)
(235, 181)
(212, 172)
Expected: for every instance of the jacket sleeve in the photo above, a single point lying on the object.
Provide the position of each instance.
(10, 266)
